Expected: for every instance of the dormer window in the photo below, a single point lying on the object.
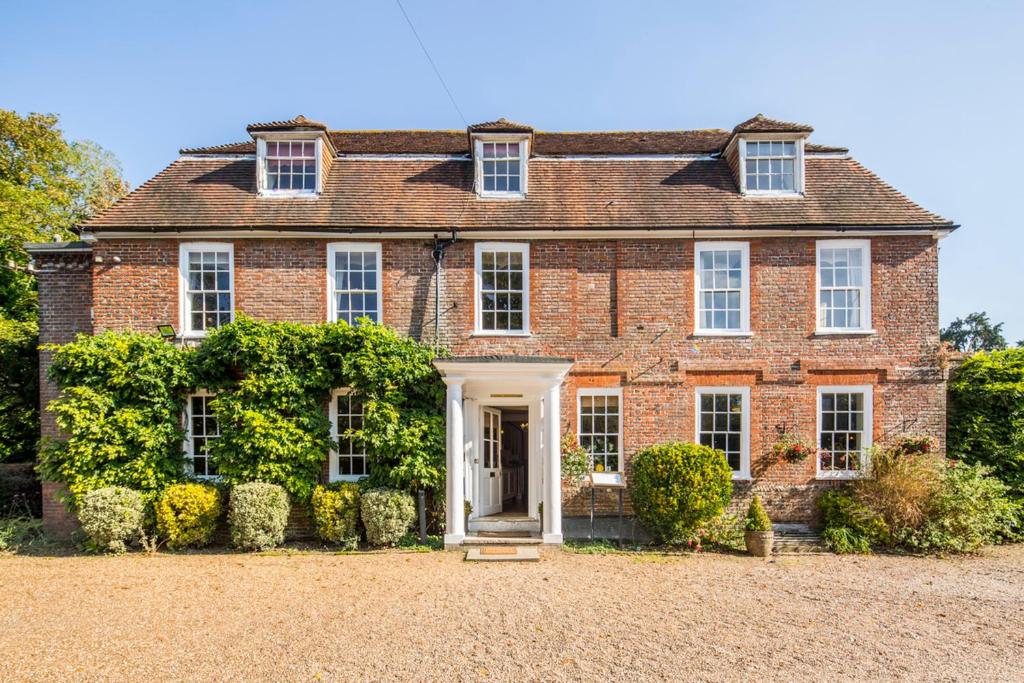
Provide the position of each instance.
(771, 165)
(289, 168)
(501, 166)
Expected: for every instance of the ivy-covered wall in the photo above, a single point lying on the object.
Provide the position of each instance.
(123, 395)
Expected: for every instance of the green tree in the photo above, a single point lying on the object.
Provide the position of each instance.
(48, 185)
(974, 333)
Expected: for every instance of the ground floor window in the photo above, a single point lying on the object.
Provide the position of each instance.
(348, 457)
(844, 430)
(599, 417)
(202, 428)
(723, 423)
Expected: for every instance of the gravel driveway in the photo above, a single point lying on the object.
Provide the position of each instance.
(431, 616)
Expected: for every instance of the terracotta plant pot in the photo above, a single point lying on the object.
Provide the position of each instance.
(759, 543)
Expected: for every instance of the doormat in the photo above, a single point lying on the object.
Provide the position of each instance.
(512, 550)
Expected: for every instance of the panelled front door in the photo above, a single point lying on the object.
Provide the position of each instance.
(490, 463)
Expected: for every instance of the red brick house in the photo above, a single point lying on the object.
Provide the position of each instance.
(633, 287)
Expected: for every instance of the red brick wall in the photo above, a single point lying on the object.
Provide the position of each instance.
(65, 307)
(623, 310)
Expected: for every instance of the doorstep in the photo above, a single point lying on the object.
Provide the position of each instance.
(503, 553)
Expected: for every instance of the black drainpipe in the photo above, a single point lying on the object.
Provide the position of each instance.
(440, 246)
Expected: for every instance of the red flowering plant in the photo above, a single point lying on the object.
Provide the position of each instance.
(790, 448)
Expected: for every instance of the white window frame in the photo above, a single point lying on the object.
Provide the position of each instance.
(261, 171)
(187, 444)
(478, 250)
(869, 428)
(744, 248)
(603, 391)
(865, 297)
(798, 165)
(743, 473)
(184, 304)
(366, 247)
(478, 158)
(334, 456)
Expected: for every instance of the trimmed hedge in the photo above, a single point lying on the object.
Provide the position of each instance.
(336, 513)
(112, 518)
(387, 515)
(187, 514)
(677, 487)
(258, 515)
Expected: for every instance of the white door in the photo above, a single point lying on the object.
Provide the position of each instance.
(490, 464)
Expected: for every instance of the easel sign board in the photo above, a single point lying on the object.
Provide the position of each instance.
(607, 480)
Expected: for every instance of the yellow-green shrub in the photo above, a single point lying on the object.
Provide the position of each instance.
(187, 514)
(336, 512)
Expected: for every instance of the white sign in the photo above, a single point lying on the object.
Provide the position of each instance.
(607, 479)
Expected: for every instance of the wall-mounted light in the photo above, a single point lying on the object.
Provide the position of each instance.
(166, 331)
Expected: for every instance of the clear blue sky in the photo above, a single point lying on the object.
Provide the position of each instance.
(929, 95)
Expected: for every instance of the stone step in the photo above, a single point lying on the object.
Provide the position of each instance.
(490, 538)
(503, 553)
(797, 539)
(502, 524)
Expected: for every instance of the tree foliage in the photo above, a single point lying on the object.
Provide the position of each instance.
(19, 390)
(47, 186)
(986, 414)
(974, 333)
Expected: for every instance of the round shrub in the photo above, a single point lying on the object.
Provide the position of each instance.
(387, 515)
(111, 518)
(336, 511)
(757, 519)
(187, 514)
(257, 515)
(676, 487)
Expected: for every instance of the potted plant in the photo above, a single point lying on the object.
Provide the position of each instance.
(758, 535)
(791, 448)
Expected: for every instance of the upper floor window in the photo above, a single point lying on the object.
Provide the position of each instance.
(844, 431)
(771, 166)
(723, 423)
(599, 420)
(844, 285)
(501, 167)
(502, 288)
(289, 167)
(206, 287)
(201, 428)
(354, 274)
(722, 287)
(348, 460)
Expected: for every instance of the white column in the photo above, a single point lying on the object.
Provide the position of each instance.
(552, 465)
(455, 526)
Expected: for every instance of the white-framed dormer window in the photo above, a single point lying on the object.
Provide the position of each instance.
(773, 166)
(501, 166)
(844, 286)
(722, 286)
(201, 429)
(348, 460)
(599, 427)
(845, 423)
(288, 167)
(723, 423)
(206, 284)
(354, 282)
(502, 288)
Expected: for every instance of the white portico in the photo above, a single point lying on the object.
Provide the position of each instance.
(496, 459)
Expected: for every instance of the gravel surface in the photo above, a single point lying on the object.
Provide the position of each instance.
(395, 616)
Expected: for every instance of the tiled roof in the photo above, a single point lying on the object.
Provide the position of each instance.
(455, 142)
(762, 124)
(502, 125)
(300, 122)
(432, 194)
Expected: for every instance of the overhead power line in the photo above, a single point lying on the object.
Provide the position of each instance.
(432, 65)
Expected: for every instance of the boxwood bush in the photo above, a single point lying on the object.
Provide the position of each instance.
(336, 513)
(257, 515)
(387, 515)
(112, 518)
(677, 487)
(187, 514)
